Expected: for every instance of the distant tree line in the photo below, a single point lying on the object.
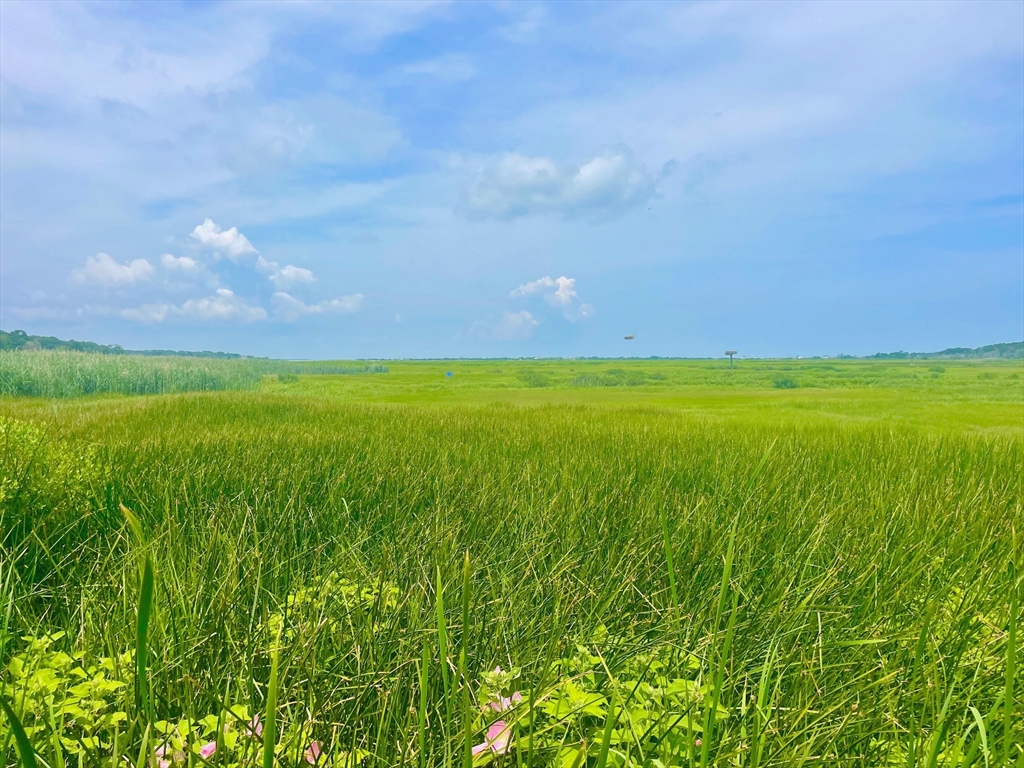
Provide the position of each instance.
(1013, 349)
(19, 340)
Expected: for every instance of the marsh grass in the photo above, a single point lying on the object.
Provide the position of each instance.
(61, 374)
(838, 595)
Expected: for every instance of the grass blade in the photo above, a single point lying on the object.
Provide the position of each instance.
(422, 725)
(25, 751)
(143, 749)
(442, 639)
(711, 708)
(467, 756)
(142, 638)
(606, 739)
(669, 560)
(1011, 655)
(270, 713)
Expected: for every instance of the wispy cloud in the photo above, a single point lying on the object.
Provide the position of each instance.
(452, 67)
(525, 28)
(290, 309)
(515, 326)
(222, 306)
(519, 185)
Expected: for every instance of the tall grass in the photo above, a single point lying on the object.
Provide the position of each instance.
(71, 374)
(59, 374)
(837, 596)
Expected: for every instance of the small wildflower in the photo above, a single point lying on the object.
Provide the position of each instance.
(496, 739)
(160, 753)
(505, 703)
(313, 753)
(255, 728)
(697, 743)
(208, 749)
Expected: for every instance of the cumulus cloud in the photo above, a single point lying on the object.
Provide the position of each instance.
(518, 185)
(534, 286)
(560, 292)
(285, 276)
(515, 326)
(290, 309)
(230, 242)
(179, 263)
(101, 269)
(222, 306)
(563, 294)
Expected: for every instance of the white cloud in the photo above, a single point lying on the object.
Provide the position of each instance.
(179, 263)
(289, 273)
(535, 286)
(223, 306)
(515, 326)
(560, 292)
(451, 67)
(282, 277)
(563, 295)
(101, 269)
(518, 185)
(230, 241)
(290, 309)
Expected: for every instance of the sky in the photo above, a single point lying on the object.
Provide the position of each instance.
(490, 179)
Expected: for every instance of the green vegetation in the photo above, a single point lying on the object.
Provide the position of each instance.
(59, 374)
(19, 340)
(549, 563)
(1012, 350)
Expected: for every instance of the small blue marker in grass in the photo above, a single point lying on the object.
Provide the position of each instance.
(448, 374)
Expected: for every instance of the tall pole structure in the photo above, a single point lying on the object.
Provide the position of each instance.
(730, 353)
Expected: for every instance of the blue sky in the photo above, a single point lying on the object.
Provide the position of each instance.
(505, 179)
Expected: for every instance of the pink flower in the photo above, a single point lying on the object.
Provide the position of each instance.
(164, 763)
(496, 739)
(208, 749)
(160, 751)
(505, 703)
(255, 729)
(697, 743)
(313, 753)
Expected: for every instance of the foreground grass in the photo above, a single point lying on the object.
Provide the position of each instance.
(838, 595)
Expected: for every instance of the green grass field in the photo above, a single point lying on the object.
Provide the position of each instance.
(549, 563)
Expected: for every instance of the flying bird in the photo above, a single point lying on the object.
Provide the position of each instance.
(630, 337)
